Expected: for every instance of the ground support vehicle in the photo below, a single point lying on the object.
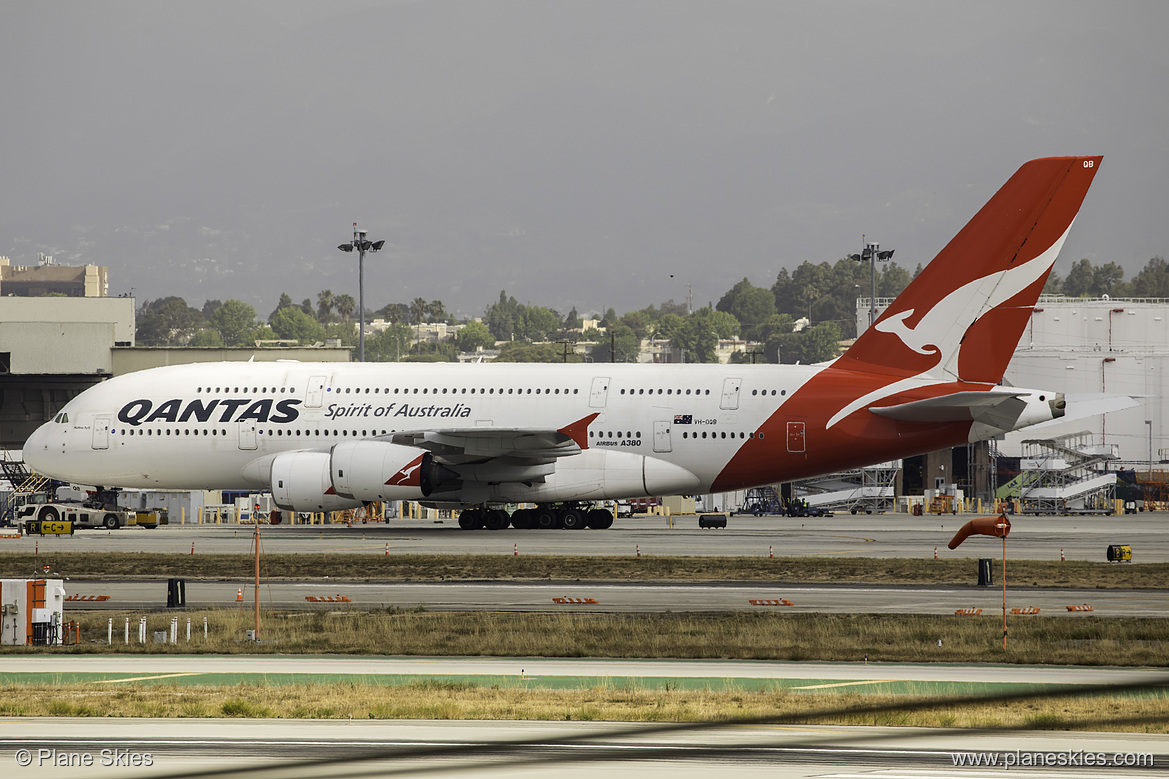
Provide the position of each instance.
(101, 510)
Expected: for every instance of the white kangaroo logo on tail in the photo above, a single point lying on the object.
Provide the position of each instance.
(941, 329)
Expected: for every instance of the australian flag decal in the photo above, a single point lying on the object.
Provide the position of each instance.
(683, 419)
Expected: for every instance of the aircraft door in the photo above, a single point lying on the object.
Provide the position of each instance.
(101, 433)
(795, 437)
(730, 398)
(599, 395)
(662, 442)
(315, 395)
(247, 434)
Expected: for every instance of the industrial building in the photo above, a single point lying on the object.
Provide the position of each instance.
(1083, 346)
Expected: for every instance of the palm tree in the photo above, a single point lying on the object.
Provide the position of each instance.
(419, 309)
(345, 305)
(325, 303)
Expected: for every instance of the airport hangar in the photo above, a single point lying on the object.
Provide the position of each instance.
(1117, 346)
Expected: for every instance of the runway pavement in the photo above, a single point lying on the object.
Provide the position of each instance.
(562, 749)
(844, 535)
(627, 597)
(571, 749)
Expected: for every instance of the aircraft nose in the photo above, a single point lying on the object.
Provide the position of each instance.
(37, 448)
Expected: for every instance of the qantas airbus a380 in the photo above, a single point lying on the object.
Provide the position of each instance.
(325, 436)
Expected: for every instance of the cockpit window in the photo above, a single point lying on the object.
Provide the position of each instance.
(62, 419)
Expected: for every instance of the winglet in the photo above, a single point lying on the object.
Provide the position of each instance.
(578, 431)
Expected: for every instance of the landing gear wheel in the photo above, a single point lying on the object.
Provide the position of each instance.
(572, 519)
(546, 519)
(471, 519)
(110, 522)
(521, 519)
(599, 519)
(496, 519)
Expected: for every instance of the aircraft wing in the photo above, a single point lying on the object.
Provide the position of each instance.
(529, 445)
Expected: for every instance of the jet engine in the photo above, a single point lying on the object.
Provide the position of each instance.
(376, 470)
(301, 482)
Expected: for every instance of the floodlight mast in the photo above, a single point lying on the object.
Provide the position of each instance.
(872, 252)
(362, 244)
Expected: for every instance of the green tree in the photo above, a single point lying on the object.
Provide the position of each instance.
(419, 309)
(345, 305)
(621, 341)
(474, 336)
(390, 345)
(572, 321)
(440, 351)
(669, 325)
(521, 351)
(639, 322)
(749, 304)
(325, 303)
(820, 343)
(697, 337)
(167, 322)
(208, 336)
(892, 281)
(210, 307)
(725, 325)
(285, 302)
(1152, 281)
(291, 322)
(236, 323)
(539, 322)
(504, 318)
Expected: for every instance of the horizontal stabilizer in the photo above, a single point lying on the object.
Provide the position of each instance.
(956, 407)
(1089, 404)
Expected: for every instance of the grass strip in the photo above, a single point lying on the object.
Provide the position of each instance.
(531, 682)
(429, 568)
(605, 702)
(1086, 640)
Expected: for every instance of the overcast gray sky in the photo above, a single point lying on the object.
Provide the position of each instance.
(572, 153)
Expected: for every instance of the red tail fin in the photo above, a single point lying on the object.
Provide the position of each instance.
(963, 315)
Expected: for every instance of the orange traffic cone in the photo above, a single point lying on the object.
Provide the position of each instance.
(239, 596)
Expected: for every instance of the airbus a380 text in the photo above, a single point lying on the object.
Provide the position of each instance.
(325, 436)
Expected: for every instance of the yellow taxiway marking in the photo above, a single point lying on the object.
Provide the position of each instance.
(145, 678)
(842, 684)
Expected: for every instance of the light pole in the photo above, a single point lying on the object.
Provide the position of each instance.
(872, 253)
(363, 245)
(689, 297)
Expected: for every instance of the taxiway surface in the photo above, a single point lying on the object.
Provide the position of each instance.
(844, 535)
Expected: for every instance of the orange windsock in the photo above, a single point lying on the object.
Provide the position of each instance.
(998, 527)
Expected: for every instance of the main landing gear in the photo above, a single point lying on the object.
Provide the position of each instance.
(566, 516)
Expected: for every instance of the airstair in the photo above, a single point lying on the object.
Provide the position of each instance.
(23, 482)
(1065, 475)
(868, 489)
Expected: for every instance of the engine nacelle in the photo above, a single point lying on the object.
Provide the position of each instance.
(375, 470)
(597, 474)
(301, 482)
